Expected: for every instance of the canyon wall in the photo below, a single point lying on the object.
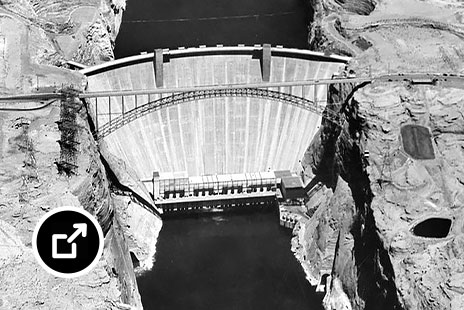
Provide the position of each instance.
(341, 239)
(373, 190)
(372, 195)
(325, 33)
(37, 38)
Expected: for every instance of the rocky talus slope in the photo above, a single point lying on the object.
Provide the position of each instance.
(35, 37)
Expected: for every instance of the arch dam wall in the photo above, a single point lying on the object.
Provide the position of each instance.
(215, 135)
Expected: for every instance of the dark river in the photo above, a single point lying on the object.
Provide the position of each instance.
(150, 24)
(231, 261)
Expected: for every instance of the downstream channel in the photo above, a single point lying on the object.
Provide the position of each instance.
(226, 261)
(230, 261)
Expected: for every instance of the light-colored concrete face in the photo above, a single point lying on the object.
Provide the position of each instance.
(218, 135)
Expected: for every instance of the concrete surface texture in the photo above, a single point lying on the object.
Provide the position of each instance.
(220, 135)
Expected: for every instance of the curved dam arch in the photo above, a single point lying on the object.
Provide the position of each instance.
(209, 132)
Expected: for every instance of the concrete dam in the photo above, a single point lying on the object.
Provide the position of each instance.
(218, 134)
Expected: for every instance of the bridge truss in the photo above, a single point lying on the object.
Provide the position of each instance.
(126, 115)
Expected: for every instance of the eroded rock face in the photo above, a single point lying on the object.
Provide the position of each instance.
(98, 43)
(38, 34)
(326, 33)
(359, 262)
(375, 202)
(141, 228)
(364, 7)
(136, 211)
(315, 241)
(393, 187)
(30, 187)
(412, 191)
(83, 30)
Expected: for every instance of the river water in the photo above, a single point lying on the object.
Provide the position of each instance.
(230, 261)
(150, 24)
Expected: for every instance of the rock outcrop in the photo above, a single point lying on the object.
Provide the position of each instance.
(370, 202)
(358, 264)
(325, 32)
(84, 30)
(35, 37)
(30, 186)
(379, 179)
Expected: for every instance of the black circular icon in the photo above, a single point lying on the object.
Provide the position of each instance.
(68, 242)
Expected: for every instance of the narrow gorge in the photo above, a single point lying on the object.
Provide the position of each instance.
(383, 227)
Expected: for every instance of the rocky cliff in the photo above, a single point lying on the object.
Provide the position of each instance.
(35, 38)
(325, 33)
(83, 30)
(363, 231)
(357, 262)
(387, 227)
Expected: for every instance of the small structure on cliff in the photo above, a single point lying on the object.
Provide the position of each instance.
(69, 144)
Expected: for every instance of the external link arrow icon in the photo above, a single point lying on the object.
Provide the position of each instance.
(67, 242)
(81, 228)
